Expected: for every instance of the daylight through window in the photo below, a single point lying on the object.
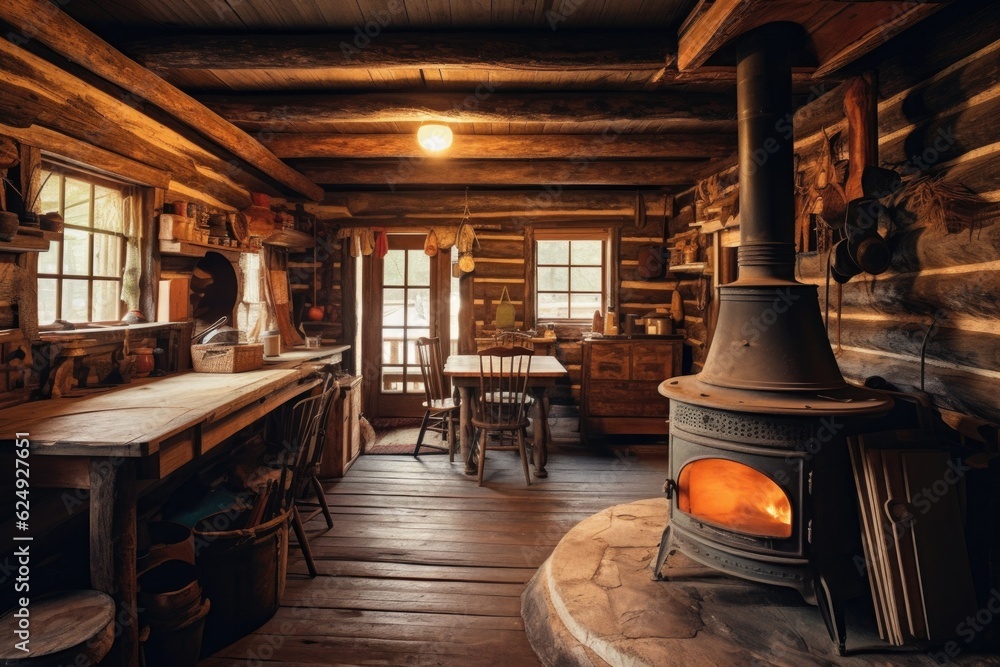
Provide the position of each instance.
(79, 279)
(570, 278)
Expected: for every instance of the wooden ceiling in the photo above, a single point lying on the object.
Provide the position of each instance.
(581, 93)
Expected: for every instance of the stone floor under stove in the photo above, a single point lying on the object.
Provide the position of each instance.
(593, 603)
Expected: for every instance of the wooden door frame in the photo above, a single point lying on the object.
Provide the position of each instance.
(371, 327)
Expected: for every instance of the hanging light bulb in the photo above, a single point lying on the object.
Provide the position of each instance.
(434, 137)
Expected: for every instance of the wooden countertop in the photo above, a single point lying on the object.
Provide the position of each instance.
(301, 355)
(133, 420)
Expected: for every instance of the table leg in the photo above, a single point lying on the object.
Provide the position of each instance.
(540, 446)
(465, 429)
(113, 550)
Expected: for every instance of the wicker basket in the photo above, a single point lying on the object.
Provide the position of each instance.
(222, 358)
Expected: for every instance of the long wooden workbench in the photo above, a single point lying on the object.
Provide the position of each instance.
(107, 441)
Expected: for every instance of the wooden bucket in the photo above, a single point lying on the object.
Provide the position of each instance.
(243, 573)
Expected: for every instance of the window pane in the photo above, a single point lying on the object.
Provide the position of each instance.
(586, 279)
(553, 306)
(552, 278)
(46, 300)
(584, 305)
(77, 211)
(553, 252)
(107, 255)
(106, 301)
(392, 273)
(48, 262)
(414, 380)
(50, 193)
(74, 301)
(418, 268)
(392, 380)
(76, 252)
(392, 346)
(392, 307)
(586, 252)
(418, 311)
(107, 209)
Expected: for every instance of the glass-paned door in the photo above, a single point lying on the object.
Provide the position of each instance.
(409, 302)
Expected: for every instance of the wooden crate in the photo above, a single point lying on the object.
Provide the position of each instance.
(222, 358)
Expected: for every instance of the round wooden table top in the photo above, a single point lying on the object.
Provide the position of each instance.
(60, 626)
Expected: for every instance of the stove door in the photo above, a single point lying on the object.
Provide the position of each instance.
(733, 496)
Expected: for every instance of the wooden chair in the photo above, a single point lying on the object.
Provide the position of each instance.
(312, 458)
(299, 451)
(503, 402)
(439, 407)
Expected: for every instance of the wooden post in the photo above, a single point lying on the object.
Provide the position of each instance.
(113, 549)
(152, 201)
(529, 279)
(348, 302)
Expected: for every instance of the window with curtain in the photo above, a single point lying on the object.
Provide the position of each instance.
(569, 281)
(80, 278)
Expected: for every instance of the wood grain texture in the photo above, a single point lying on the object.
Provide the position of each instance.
(65, 36)
(558, 52)
(505, 147)
(702, 112)
(422, 567)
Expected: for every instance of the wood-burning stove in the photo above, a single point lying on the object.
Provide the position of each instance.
(760, 482)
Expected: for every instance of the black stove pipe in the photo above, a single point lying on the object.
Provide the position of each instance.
(769, 335)
(766, 153)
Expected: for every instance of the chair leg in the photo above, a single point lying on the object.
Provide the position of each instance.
(423, 429)
(451, 437)
(482, 454)
(321, 499)
(524, 455)
(300, 534)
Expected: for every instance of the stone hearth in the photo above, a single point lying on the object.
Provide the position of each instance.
(593, 604)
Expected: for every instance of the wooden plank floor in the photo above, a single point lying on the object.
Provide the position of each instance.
(422, 567)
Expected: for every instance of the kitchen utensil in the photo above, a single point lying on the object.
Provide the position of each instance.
(210, 328)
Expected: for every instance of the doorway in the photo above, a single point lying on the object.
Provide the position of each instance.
(406, 297)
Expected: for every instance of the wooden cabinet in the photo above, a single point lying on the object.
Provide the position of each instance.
(620, 378)
(343, 442)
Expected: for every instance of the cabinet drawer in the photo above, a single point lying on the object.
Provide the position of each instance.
(627, 399)
(609, 362)
(652, 361)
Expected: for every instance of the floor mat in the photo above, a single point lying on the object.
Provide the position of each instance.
(398, 435)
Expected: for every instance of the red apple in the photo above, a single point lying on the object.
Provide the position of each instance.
(315, 313)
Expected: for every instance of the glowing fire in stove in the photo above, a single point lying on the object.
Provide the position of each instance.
(730, 495)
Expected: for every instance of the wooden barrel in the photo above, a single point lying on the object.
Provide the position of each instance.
(70, 628)
(242, 572)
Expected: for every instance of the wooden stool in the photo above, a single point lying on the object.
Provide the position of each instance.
(63, 626)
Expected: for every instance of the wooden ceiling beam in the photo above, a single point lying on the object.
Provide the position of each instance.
(527, 51)
(275, 112)
(36, 92)
(43, 21)
(435, 171)
(902, 17)
(85, 154)
(449, 204)
(714, 23)
(507, 146)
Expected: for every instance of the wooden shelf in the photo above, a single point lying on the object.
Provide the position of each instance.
(192, 249)
(691, 267)
(30, 240)
(291, 238)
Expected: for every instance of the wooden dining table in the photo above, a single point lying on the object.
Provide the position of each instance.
(464, 370)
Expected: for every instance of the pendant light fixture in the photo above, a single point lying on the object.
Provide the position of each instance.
(434, 137)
